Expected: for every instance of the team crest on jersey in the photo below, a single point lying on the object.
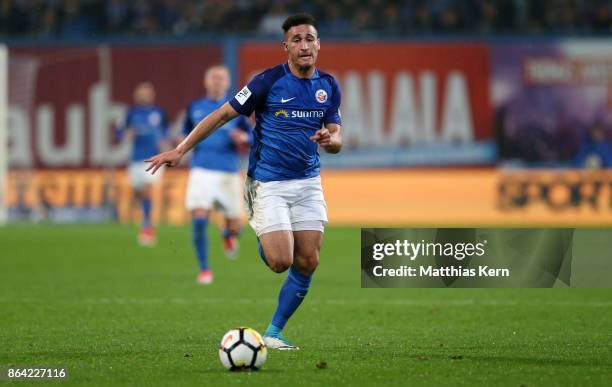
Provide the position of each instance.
(154, 119)
(321, 96)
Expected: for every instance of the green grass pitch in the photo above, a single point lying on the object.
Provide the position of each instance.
(88, 298)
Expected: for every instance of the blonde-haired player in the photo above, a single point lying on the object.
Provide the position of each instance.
(214, 178)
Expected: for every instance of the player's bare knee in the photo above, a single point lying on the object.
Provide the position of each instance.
(199, 213)
(234, 226)
(312, 263)
(277, 261)
(279, 266)
(307, 264)
(146, 192)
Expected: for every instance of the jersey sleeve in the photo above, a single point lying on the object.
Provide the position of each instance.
(122, 127)
(251, 96)
(188, 123)
(128, 120)
(332, 114)
(165, 127)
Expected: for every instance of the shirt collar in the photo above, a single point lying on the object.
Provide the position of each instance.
(315, 75)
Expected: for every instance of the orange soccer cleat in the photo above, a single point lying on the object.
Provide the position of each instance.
(147, 237)
(230, 246)
(205, 277)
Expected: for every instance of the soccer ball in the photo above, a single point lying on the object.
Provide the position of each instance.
(242, 349)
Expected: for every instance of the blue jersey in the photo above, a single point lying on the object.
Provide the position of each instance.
(288, 111)
(218, 151)
(150, 125)
(598, 151)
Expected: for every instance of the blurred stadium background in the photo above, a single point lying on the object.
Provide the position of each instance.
(455, 112)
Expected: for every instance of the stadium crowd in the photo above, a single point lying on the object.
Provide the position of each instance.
(92, 18)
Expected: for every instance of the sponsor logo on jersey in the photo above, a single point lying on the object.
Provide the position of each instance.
(243, 95)
(321, 96)
(307, 114)
(282, 112)
(299, 113)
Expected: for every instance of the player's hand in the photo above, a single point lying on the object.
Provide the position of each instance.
(239, 137)
(322, 137)
(171, 159)
(130, 133)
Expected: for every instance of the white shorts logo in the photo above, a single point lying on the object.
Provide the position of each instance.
(321, 96)
(243, 95)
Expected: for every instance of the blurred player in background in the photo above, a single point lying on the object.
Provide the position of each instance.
(214, 178)
(146, 126)
(595, 150)
(297, 109)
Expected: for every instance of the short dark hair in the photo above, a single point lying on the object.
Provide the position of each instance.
(299, 19)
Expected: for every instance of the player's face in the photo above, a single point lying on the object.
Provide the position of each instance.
(303, 46)
(216, 82)
(144, 94)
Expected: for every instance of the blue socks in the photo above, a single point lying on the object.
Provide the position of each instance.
(146, 212)
(273, 331)
(291, 296)
(261, 252)
(200, 241)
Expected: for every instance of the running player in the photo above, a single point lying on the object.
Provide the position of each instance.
(214, 178)
(297, 110)
(146, 125)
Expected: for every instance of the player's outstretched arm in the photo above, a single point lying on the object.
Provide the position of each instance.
(202, 130)
(124, 133)
(329, 138)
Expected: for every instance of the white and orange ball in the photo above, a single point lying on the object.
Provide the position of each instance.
(242, 349)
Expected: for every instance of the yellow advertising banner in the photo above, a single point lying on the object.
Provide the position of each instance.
(461, 197)
(424, 197)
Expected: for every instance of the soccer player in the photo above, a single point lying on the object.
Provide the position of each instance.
(214, 178)
(146, 125)
(595, 150)
(297, 110)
